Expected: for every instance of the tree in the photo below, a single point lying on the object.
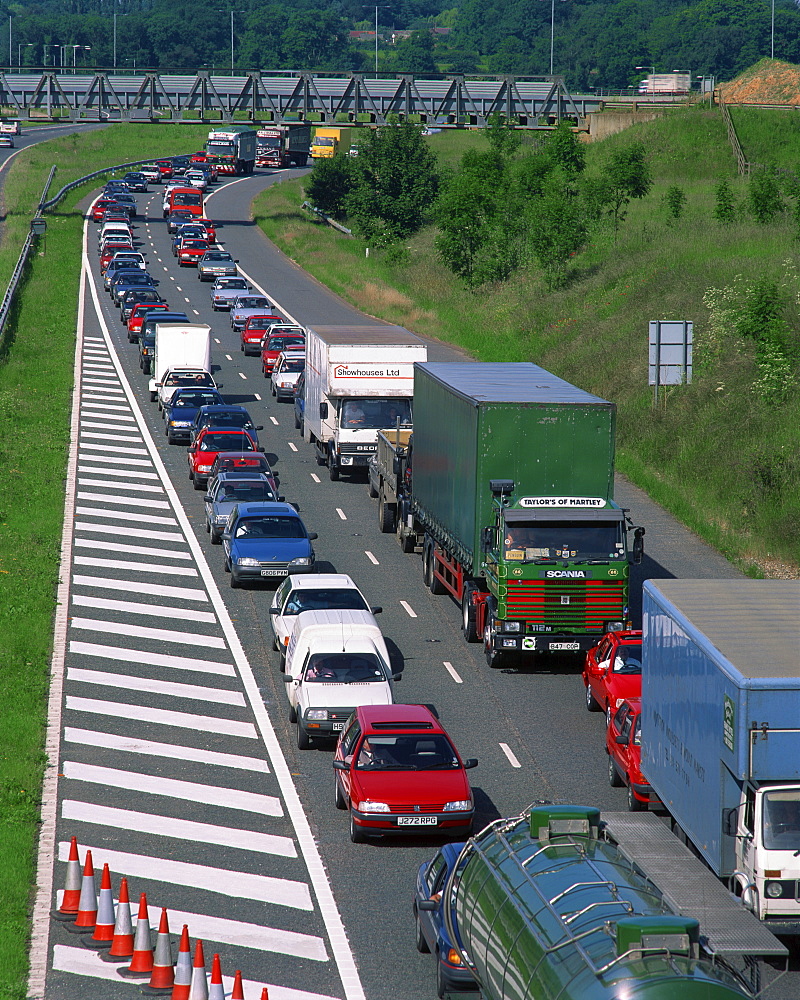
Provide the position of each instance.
(396, 180)
(565, 149)
(675, 200)
(626, 176)
(764, 195)
(330, 183)
(504, 139)
(725, 204)
(557, 232)
(415, 54)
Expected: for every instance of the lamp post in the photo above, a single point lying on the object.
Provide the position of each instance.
(651, 68)
(19, 52)
(10, 64)
(377, 8)
(232, 12)
(116, 15)
(771, 37)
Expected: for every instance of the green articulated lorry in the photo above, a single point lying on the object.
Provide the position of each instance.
(507, 487)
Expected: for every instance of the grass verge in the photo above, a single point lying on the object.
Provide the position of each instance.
(36, 379)
(716, 453)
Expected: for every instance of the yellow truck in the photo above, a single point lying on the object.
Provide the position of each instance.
(328, 142)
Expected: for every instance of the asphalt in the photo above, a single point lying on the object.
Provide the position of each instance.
(527, 726)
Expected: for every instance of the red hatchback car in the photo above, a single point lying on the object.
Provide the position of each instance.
(208, 444)
(252, 333)
(191, 250)
(137, 315)
(272, 346)
(612, 671)
(397, 771)
(624, 749)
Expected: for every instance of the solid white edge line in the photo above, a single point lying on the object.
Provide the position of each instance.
(340, 946)
(39, 952)
(452, 671)
(512, 760)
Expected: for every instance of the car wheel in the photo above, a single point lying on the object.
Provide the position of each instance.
(292, 713)
(422, 944)
(442, 986)
(272, 388)
(241, 348)
(152, 397)
(226, 565)
(303, 739)
(635, 805)
(338, 798)
(191, 476)
(469, 616)
(208, 528)
(592, 704)
(235, 583)
(198, 484)
(296, 422)
(613, 774)
(216, 538)
(357, 835)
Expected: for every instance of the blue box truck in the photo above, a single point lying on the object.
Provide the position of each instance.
(721, 730)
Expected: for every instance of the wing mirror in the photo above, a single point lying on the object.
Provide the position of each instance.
(470, 762)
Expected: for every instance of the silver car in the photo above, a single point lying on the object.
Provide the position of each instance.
(229, 489)
(216, 264)
(225, 290)
(245, 306)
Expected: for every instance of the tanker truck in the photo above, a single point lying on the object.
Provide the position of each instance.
(552, 905)
(510, 498)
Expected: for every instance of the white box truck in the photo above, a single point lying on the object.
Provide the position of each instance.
(358, 379)
(179, 345)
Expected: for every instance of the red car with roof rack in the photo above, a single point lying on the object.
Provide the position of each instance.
(208, 444)
(612, 671)
(137, 315)
(252, 333)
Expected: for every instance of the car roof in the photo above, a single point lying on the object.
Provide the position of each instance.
(252, 509)
(331, 581)
(242, 475)
(224, 408)
(386, 718)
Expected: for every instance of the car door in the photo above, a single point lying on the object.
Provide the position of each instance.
(433, 880)
(347, 751)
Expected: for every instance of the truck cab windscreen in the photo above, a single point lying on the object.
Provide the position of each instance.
(220, 149)
(782, 820)
(322, 140)
(374, 414)
(551, 540)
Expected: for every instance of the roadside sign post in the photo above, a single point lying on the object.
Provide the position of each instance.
(670, 353)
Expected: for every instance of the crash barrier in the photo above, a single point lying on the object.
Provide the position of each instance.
(37, 229)
(112, 936)
(326, 218)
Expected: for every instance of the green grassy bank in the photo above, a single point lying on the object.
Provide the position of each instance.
(36, 378)
(716, 453)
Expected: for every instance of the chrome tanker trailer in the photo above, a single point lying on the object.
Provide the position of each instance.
(545, 906)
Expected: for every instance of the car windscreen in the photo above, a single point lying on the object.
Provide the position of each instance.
(226, 442)
(251, 302)
(407, 752)
(188, 378)
(227, 420)
(238, 462)
(269, 526)
(194, 244)
(324, 599)
(246, 491)
(137, 277)
(281, 343)
(343, 668)
(231, 284)
(187, 198)
(198, 399)
(217, 255)
(293, 365)
(549, 540)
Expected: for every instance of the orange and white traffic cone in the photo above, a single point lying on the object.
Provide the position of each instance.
(183, 968)
(122, 942)
(216, 991)
(87, 907)
(142, 960)
(199, 987)
(72, 886)
(104, 927)
(163, 977)
(237, 993)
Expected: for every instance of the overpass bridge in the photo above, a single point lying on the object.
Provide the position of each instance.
(290, 97)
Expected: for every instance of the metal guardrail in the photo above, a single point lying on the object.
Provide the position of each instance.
(326, 218)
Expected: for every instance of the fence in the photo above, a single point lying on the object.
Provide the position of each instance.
(744, 166)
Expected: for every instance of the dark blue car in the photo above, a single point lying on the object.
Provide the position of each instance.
(222, 415)
(180, 413)
(266, 542)
(431, 933)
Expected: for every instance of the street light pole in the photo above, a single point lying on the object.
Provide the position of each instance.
(10, 64)
(771, 45)
(377, 8)
(232, 12)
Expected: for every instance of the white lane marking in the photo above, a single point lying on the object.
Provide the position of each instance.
(112, 529)
(135, 587)
(179, 829)
(229, 357)
(140, 463)
(315, 477)
(102, 678)
(172, 751)
(256, 395)
(172, 276)
(371, 557)
(408, 609)
(510, 754)
(84, 963)
(115, 449)
(106, 406)
(452, 671)
(262, 888)
(120, 484)
(153, 659)
(166, 269)
(194, 310)
(190, 791)
(97, 436)
(242, 375)
(124, 501)
(216, 341)
(106, 382)
(105, 426)
(101, 470)
(341, 513)
(274, 421)
(102, 390)
(135, 567)
(292, 446)
(85, 412)
(134, 608)
(179, 289)
(281, 308)
(162, 717)
(143, 632)
(103, 545)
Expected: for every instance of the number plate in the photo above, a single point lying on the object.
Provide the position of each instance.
(273, 572)
(337, 727)
(417, 821)
(565, 645)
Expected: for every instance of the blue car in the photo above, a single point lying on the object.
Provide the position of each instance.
(230, 489)
(222, 415)
(180, 412)
(266, 541)
(431, 933)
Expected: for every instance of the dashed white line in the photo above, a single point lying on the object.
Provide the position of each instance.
(408, 609)
(341, 513)
(186, 298)
(216, 341)
(179, 289)
(453, 672)
(256, 395)
(510, 754)
(292, 445)
(167, 269)
(194, 311)
(242, 375)
(371, 557)
(315, 477)
(274, 421)
(229, 357)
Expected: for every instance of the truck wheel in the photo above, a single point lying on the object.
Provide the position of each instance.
(333, 468)
(613, 774)
(592, 704)
(407, 539)
(469, 615)
(387, 515)
(494, 658)
(635, 805)
(434, 584)
(371, 489)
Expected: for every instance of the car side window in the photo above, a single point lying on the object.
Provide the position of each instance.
(281, 593)
(434, 876)
(625, 729)
(749, 810)
(350, 738)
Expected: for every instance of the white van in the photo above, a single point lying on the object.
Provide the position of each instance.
(10, 126)
(335, 662)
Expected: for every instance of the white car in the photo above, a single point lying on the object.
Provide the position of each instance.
(288, 369)
(152, 173)
(173, 182)
(344, 665)
(312, 592)
(196, 179)
(181, 378)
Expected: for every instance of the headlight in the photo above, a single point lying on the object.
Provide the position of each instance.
(317, 714)
(460, 805)
(180, 423)
(245, 561)
(512, 627)
(305, 561)
(220, 519)
(614, 626)
(204, 468)
(374, 807)
(774, 890)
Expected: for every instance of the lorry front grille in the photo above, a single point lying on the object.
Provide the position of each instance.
(568, 604)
